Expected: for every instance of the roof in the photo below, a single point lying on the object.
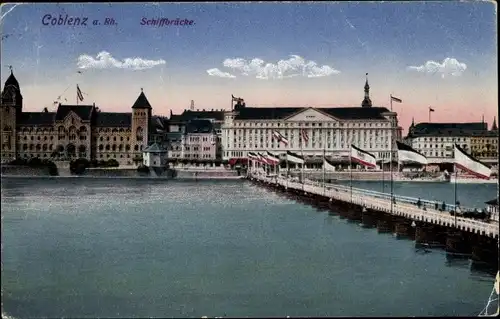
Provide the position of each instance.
(37, 118)
(158, 124)
(141, 102)
(154, 148)
(343, 113)
(83, 111)
(188, 115)
(109, 119)
(11, 80)
(448, 129)
(199, 126)
(493, 202)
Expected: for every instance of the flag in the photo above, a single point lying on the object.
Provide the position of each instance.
(395, 99)
(277, 135)
(79, 93)
(363, 157)
(235, 99)
(468, 163)
(408, 154)
(303, 134)
(252, 156)
(431, 109)
(327, 165)
(271, 158)
(261, 158)
(294, 158)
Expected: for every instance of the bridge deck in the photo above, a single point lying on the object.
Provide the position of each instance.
(404, 206)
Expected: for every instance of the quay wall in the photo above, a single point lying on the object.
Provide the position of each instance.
(11, 170)
(117, 172)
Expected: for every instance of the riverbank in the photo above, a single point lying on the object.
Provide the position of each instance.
(117, 172)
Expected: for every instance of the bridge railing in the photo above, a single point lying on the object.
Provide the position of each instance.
(371, 199)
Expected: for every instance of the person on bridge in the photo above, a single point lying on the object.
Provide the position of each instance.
(419, 202)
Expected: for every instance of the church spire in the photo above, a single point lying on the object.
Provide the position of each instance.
(494, 126)
(366, 101)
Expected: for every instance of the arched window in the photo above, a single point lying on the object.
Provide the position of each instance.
(6, 128)
(83, 133)
(81, 149)
(139, 134)
(32, 147)
(72, 133)
(38, 147)
(44, 147)
(136, 147)
(127, 148)
(101, 147)
(107, 147)
(120, 147)
(71, 149)
(113, 147)
(25, 147)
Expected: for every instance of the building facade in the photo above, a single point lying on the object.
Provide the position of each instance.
(74, 131)
(330, 131)
(436, 140)
(195, 135)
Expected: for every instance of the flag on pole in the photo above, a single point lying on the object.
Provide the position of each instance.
(431, 109)
(303, 134)
(252, 156)
(363, 157)
(262, 159)
(79, 93)
(281, 139)
(408, 154)
(327, 165)
(395, 99)
(468, 163)
(271, 158)
(294, 158)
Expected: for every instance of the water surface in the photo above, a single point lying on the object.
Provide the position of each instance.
(142, 248)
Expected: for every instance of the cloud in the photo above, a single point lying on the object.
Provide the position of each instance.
(104, 60)
(294, 66)
(450, 66)
(219, 73)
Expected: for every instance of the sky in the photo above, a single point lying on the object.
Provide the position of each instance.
(429, 54)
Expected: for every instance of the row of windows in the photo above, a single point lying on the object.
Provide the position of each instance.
(82, 129)
(243, 154)
(120, 147)
(311, 124)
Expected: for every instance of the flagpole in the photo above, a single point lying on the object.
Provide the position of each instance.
(350, 170)
(303, 164)
(390, 164)
(383, 178)
(429, 114)
(77, 95)
(324, 157)
(455, 186)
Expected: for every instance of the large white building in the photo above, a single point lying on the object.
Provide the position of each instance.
(330, 130)
(436, 140)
